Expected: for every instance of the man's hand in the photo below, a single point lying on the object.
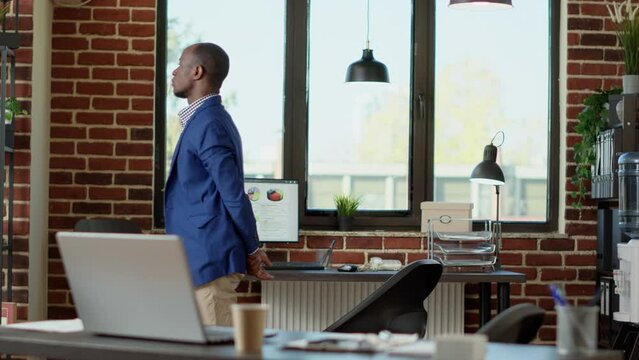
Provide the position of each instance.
(256, 264)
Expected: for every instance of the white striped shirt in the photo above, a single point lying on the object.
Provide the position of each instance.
(186, 114)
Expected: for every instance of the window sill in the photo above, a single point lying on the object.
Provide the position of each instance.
(382, 233)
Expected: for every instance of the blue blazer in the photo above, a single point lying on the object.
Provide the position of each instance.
(204, 199)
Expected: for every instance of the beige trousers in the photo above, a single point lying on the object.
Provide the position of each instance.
(214, 299)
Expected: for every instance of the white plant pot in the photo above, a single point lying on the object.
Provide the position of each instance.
(630, 84)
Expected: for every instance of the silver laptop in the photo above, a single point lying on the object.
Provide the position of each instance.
(323, 261)
(134, 285)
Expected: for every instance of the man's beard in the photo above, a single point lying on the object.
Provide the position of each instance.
(181, 94)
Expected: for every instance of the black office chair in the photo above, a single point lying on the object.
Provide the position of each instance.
(397, 306)
(108, 226)
(518, 324)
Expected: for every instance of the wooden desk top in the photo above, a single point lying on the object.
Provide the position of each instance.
(381, 276)
(82, 346)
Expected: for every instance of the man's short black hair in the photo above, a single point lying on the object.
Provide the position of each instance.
(215, 62)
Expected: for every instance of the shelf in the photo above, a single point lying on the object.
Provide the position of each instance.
(471, 250)
(10, 39)
(466, 248)
(460, 261)
(464, 236)
(9, 137)
(620, 135)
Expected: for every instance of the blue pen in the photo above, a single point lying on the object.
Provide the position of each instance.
(556, 295)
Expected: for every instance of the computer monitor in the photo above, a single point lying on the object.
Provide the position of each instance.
(275, 205)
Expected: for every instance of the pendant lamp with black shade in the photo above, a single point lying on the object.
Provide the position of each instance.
(480, 4)
(367, 68)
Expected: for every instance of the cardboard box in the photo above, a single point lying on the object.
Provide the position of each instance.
(441, 210)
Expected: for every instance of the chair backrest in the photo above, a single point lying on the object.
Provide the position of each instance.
(122, 226)
(518, 324)
(398, 305)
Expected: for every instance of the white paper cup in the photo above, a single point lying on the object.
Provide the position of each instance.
(577, 329)
(249, 321)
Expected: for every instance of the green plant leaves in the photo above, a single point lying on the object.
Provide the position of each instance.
(12, 106)
(592, 119)
(626, 19)
(346, 205)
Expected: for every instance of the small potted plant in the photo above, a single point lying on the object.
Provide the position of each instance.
(346, 206)
(12, 108)
(625, 16)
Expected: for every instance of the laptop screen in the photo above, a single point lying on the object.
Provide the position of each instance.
(133, 285)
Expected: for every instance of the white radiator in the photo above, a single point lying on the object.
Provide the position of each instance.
(314, 305)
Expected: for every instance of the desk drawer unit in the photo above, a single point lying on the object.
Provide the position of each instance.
(314, 305)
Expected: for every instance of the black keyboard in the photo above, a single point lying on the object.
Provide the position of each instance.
(295, 265)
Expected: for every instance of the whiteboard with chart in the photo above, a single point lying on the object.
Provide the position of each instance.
(275, 205)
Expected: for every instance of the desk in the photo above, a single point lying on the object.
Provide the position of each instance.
(502, 278)
(82, 346)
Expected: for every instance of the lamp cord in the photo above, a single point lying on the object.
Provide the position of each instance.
(503, 138)
(368, 23)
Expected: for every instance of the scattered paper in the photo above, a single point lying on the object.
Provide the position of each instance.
(368, 343)
(58, 326)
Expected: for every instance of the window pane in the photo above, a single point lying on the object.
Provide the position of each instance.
(374, 187)
(322, 189)
(359, 129)
(490, 79)
(452, 189)
(401, 192)
(253, 91)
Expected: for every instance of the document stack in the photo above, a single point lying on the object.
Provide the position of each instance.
(463, 250)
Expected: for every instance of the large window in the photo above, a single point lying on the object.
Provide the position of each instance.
(253, 91)
(456, 79)
(488, 80)
(358, 131)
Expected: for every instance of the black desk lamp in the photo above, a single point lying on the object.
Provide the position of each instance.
(489, 173)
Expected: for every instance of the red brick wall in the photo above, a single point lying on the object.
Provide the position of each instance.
(103, 71)
(102, 142)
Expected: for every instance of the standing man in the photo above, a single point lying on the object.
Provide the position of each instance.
(204, 200)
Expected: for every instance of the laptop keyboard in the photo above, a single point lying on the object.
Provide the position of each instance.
(222, 334)
(294, 265)
(218, 334)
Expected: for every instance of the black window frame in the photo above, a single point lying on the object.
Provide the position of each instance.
(421, 167)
